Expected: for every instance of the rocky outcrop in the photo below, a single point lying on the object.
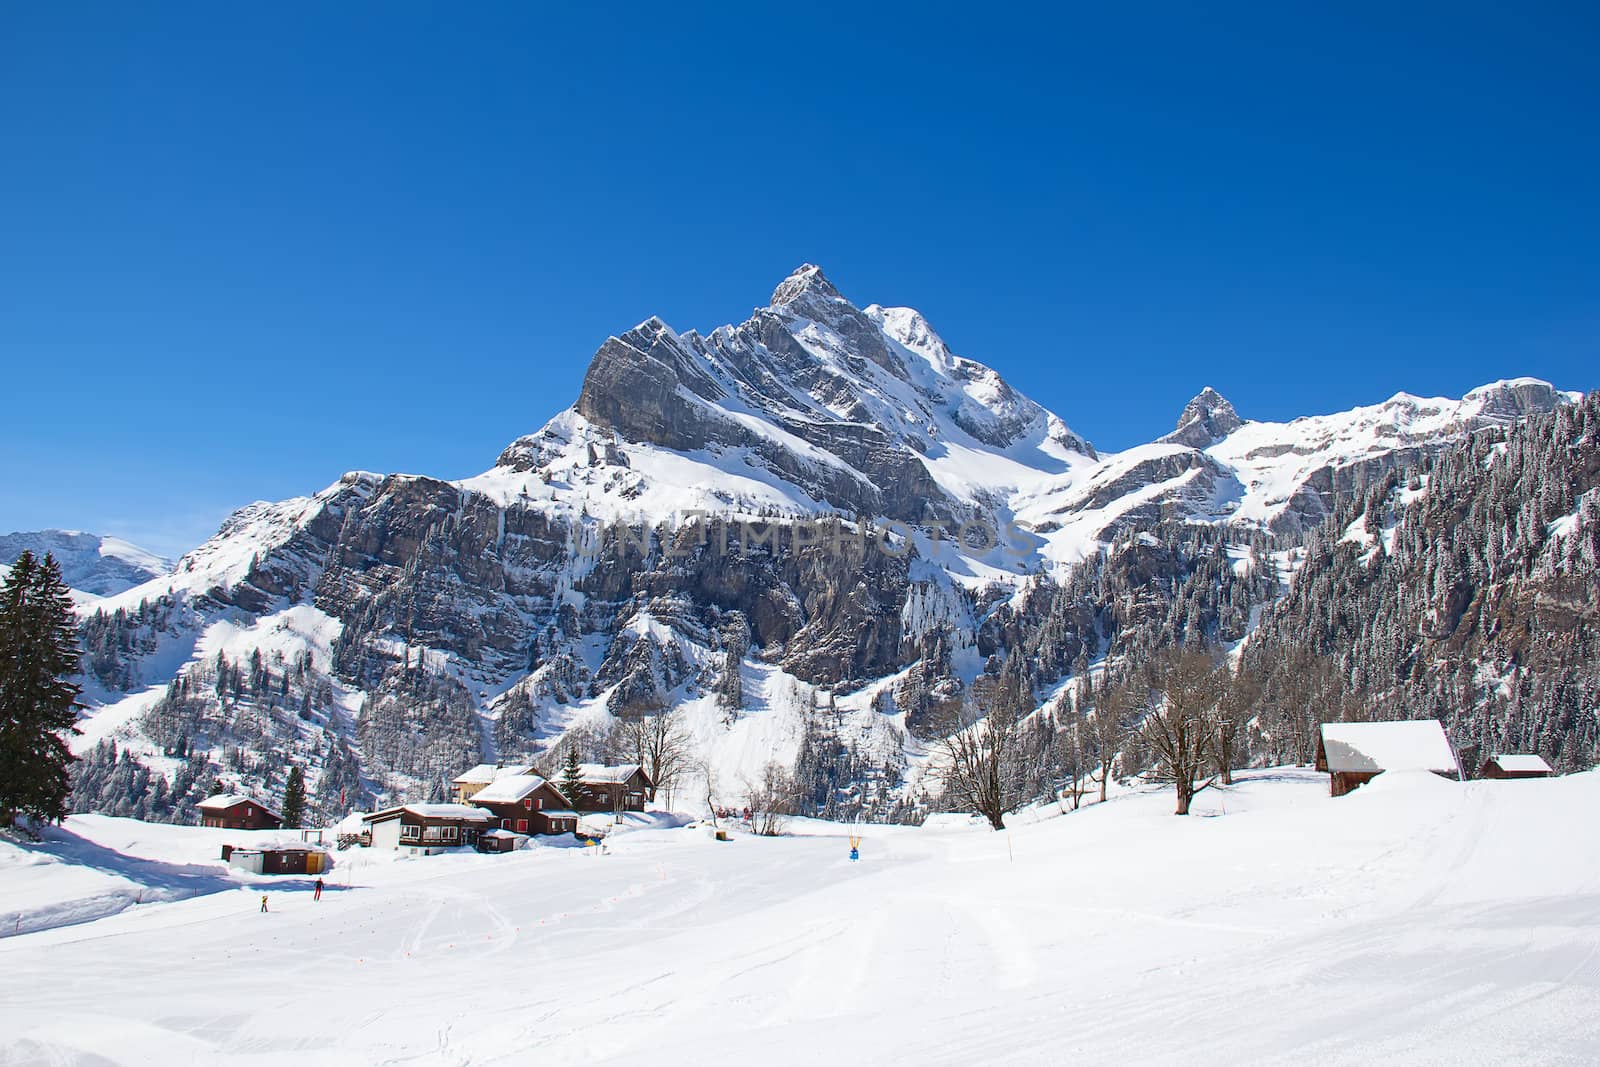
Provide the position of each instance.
(1206, 419)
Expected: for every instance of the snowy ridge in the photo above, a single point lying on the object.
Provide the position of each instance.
(501, 606)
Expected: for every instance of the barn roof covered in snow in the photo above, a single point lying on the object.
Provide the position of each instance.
(1369, 747)
(599, 772)
(484, 773)
(1521, 763)
(224, 801)
(464, 812)
(510, 789)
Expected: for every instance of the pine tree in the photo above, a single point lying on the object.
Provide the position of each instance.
(294, 799)
(572, 777)
(38, 704)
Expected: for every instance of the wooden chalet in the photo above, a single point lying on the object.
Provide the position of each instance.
(424, 829)
(1354, 753)
(528, 804)
(619, 788)
(467, 784)
(1515, 765)
(234, 811)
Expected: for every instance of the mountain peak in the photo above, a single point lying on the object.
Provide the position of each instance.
(1206, 419)
(805, 280)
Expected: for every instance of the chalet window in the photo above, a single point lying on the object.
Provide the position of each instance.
(433, 833)
(541, 803)
(409, 832)
(505, 824)
(522, 826)
(449, 832)
(528, 804)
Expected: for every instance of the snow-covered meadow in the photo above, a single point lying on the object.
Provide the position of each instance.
(1416, 920)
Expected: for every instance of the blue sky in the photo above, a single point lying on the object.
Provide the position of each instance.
(246, 248)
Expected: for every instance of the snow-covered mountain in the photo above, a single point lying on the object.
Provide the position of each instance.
(92, 565)
(391, 629)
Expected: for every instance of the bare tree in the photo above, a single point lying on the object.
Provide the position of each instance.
(984, 748)
(1072, 760)
(1181, 729)
(1241, 689)
(1109, 729)
(773, 800)
(659, 744)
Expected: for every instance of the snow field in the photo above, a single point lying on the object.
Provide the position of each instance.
(1416, 920)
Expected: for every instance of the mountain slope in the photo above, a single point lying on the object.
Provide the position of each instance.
(655, 548)
(91, 565)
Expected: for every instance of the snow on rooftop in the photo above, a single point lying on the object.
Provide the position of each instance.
(599, 772)
(1523, 763)
(509, 789)
(484, 773)
(224, 801)
(434, 811)
(1388, 746)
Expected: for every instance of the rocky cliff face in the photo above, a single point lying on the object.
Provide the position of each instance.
(773, 529)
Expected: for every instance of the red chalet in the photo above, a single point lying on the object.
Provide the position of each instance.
(231, 811)
(528, 804)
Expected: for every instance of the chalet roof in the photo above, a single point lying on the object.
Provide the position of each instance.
(1420, 745)
(224, 801)
(503, 834)
(600, 774)
(463, 812)
(510, 789)
(559, 813)
(484, 773)
(1521, 763)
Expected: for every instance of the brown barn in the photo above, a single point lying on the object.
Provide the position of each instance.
(231, 811)
(528, 804)
(1515, 765)
(1354, 753)
(423, 829)
(620, 788)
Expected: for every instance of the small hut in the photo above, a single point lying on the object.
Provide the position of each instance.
(277, 859)
(500, 841)
(1515, 765)
(1354, 753)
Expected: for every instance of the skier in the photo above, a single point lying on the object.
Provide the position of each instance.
(316, 894)
(263, 902)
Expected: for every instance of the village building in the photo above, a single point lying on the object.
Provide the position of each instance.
(500, 841)
(424, 829)
(467, 784)
(233, 811)
(1515, 765)
(277, 859)
(528, 804)
(620, 788)
(1354, 753)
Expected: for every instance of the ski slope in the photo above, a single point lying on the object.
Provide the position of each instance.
(1416, 920)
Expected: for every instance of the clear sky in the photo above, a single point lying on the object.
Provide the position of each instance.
(244, 248)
